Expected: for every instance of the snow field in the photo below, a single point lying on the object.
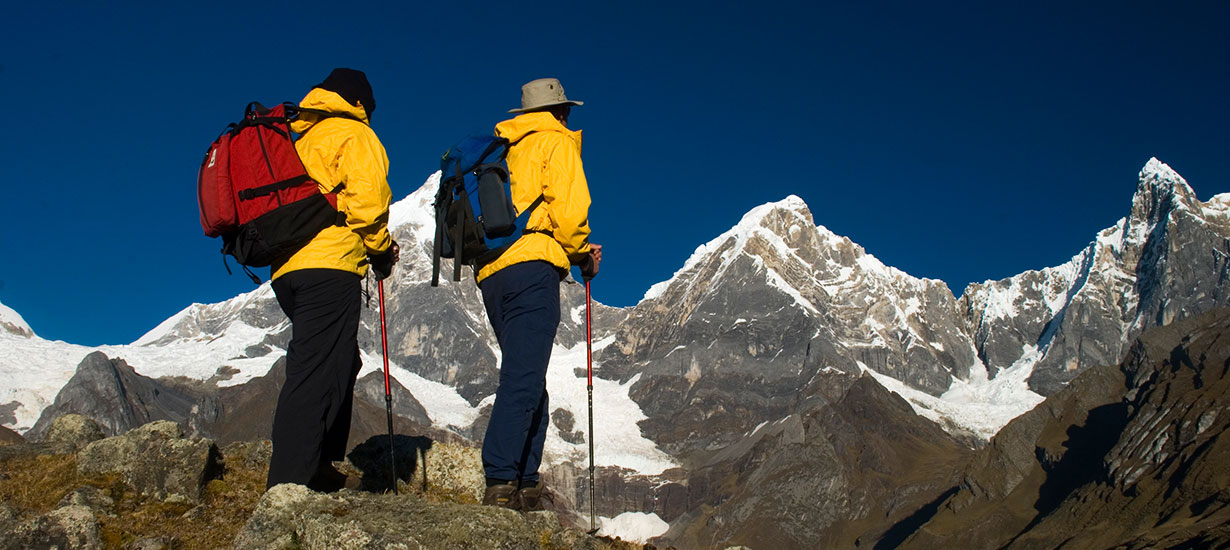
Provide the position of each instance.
(632, 526)
(980, 404)
(445, 407)
(617, 437)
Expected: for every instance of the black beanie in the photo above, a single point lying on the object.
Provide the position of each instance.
(352, 85)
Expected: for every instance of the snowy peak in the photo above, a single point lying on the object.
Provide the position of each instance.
(781, 224)
(1163, 262)
(415, 211)
(783, 238)
(13, 323)
(206, 322)
(1156, 170)
(1159, 191)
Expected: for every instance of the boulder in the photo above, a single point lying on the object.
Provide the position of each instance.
(68, 527)
(91, 497)
(448, 470)
(292, 516)
(156, 460)
(70, 433)
(249, 454)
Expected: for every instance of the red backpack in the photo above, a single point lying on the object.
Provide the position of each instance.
(255, 193)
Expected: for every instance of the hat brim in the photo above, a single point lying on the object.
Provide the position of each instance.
(537, 107)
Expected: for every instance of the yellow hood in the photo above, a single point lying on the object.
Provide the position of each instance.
(515, 129)
(325, 100)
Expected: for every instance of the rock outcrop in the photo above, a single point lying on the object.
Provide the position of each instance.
(114, 395)
(1131, 456)
(71, 526)
(291, 515)
(154, 488)
(71, 433)
(156, 460)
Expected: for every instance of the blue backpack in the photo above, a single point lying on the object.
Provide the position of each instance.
(475, 217)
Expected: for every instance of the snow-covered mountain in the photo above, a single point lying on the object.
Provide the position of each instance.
(775, 286)
(762, 327)
(1166, 260)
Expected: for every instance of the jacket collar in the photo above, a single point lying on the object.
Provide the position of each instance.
(325, 100)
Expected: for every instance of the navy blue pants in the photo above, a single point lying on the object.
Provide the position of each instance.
(312, 420)
(522, 303)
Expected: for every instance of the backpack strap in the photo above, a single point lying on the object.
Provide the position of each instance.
(464, 219)
(249, 194)
(443, 200)
(292, 112)
(441, 210)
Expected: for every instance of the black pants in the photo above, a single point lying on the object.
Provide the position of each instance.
(312, 420)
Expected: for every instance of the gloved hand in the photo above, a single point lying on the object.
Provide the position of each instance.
(382, 264)
(589, 265)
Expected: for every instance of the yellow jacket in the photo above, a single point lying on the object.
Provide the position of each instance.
(347, 152)
(546, 162)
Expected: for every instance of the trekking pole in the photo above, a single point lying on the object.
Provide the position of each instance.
(388, 394)
(589, 386)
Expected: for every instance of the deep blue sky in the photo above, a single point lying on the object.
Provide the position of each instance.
(957, 141)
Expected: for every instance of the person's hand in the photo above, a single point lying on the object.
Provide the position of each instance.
(382, 264)
(589, 266)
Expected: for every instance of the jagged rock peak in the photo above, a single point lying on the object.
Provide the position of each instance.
(1158, 171)
(792, 203)
(1159, 189)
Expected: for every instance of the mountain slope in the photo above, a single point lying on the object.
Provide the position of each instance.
(1127, 456)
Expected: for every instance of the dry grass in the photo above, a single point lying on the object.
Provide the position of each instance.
(35, 485)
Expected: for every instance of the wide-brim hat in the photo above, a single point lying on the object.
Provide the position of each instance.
(544, 92)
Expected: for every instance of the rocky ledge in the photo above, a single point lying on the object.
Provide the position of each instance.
(153, 488)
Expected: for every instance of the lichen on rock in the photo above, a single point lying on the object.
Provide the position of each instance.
(156, 460)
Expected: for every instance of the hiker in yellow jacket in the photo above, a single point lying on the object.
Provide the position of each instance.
(521, 288)
(318, 287)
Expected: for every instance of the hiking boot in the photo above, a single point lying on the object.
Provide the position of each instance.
(531, 497)
(502, 494)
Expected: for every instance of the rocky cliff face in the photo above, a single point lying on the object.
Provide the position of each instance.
(1126, 456)
(112, 392)
(1165, 261)
(120, 399)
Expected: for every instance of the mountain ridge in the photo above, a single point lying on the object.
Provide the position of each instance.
(877, 326)
(770, 336)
